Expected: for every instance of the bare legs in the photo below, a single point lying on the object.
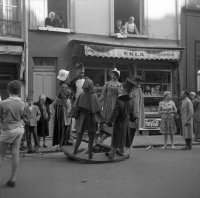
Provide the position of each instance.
(171, 139)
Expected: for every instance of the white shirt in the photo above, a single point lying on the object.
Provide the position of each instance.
(79, 85)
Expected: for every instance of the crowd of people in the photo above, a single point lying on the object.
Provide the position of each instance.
(119, 107)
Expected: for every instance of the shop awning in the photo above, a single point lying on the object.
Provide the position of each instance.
(131, 53)
(11, 49)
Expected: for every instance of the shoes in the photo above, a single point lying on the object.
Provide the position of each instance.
(10, 184)
(186, 148)
(164, 147)
(173, 147)
(45, 146)
(109, 156)
(120, 153)
(150, 147)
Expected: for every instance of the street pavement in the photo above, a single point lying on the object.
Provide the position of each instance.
(154, 173)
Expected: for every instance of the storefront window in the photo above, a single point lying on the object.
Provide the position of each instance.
(10, 18)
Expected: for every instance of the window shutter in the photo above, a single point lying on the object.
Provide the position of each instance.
(38, 12)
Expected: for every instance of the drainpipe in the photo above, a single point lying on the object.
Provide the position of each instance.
(26, 46)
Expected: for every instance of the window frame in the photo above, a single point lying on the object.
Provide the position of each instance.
(143, 20)
(70, 9)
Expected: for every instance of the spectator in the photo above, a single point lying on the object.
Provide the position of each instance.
(118, 26)
(196, 105)
(192, 96)
(131, 27)
(43, 123)
(59, 21)
(50, 21)
(187, 113)
(11, 112)
(167, 109)
(31, 117)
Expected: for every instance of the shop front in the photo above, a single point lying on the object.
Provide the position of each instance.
(158, 69)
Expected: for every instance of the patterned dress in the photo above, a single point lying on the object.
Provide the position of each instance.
(167, 125)
(109, 97)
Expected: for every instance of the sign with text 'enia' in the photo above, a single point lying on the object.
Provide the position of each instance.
(152, 123)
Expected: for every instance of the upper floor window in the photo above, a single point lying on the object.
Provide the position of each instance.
(129, 18)
(10, 18)
(50, 14)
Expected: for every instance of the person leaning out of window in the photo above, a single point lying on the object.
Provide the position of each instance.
(167, 109)
(131, 27)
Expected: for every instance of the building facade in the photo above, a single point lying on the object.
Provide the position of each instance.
(12, 44)
(88, 35)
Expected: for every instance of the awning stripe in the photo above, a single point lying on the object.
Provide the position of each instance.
(131, 53)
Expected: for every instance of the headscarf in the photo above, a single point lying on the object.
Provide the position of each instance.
(166, 93)
(88, 99)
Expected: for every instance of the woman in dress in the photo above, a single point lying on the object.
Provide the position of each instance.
(62, 120)
(167, 109)
(110, 93)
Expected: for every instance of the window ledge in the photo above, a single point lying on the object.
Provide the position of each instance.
(52, 29)
(130, 36)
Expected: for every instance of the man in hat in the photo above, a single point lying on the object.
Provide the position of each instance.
(121, 114)
(76, 85)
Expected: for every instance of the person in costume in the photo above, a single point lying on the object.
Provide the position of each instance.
(62, 120)
(43, 123)
(123, 112)
(110, 93)
(76, 85)
(88, 113)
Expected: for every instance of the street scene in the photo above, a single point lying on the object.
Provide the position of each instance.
(99, 98)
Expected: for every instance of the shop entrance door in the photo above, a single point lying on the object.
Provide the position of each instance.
(44, 82)
(8, 72)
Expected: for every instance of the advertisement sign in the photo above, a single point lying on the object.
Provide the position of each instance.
(111, 52)
(152, 123)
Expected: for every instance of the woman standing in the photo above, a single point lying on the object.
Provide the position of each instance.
(110, 93)
(62, 121)
(43, 123)
(167, 109)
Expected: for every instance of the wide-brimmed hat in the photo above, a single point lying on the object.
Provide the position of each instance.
(192, 93)
(129, 83)
(115, 71)
(63, 75)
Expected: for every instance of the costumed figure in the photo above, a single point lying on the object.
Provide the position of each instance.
(62, 120)
(88, 113)
(121, 114)
(43, 123)
(76, 85)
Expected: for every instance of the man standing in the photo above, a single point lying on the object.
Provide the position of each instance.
(76, 85)
(187, 113)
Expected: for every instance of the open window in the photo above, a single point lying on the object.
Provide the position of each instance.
(10, 18)
(51, 15)
(128, 17)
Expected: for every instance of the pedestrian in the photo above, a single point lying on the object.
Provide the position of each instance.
(31, 116)
(88, 113)
(192, 96)
(43, 123)
(62, 104)
(121, 114)
(196, 105)
(76, 85)
(187, 113)
(11, 112)
(167, 110)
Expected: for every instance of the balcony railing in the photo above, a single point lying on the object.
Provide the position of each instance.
(10, 28)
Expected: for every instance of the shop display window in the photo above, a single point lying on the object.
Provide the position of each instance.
(153, 85)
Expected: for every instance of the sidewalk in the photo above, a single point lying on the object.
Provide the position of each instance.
(140, 141)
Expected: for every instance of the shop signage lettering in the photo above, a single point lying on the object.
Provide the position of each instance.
(152, 123)
(106, 51)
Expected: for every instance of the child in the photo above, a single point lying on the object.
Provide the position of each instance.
(31, 117)
(88, 110)
(11, 111)
(121, 114)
